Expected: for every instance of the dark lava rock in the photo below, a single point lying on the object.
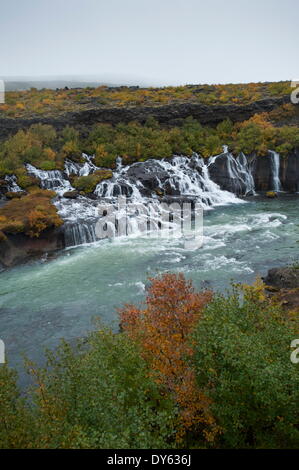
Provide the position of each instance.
(149, 173)
(261, 172)
(283, 278)
(71, 194)
(224, 172)
(169, 114)
(289, 172)
(18, 248)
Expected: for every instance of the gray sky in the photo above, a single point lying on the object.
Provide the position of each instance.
(159, 42)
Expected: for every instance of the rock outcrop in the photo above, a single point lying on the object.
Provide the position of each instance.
(283, 286)
(170, 115)
(19, 248)
(233, 174)
(289, 171)
(283, 278)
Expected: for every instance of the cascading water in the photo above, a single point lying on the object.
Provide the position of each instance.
(245, 174)
(275, 166)
(190, 177)
(141, 182)
(80, 216)
(80, 169)
(235, 173)
(119, 185)
(53, 179)
(177, 177)
(182, 176)
(12, 185)
(79, 234)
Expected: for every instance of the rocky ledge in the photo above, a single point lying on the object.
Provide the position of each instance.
(170, 115)
(283, 285)
(19, 248)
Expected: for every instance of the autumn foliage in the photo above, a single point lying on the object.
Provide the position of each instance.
(30, 214)
(182, 364)
(163, 329)
(48, 102)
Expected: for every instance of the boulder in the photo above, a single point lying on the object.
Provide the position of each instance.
(283, 278)
(71, 194)
(149, 173)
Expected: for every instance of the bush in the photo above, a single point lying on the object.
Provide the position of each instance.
(242, 361)
(163, 329)
(98, 396)
(41, 146)
(31, 214)
(87, 184)
(188, 370)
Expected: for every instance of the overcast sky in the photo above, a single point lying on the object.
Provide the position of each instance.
(159, 42)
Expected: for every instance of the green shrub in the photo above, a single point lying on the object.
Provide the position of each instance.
(47, 165)
(87, 184)
(242, 359)
(41, 146)
(97, 395)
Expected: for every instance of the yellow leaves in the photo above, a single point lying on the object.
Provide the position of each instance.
(256, 291)
(20, 106)
(49, 153)
(36, 223)
(100, 152)
(70, 148)
(47, 101)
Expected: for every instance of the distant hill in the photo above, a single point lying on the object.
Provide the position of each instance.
(16, 85)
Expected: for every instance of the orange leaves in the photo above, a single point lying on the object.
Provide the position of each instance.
(163, 329)
(31, 214)
(37, 222)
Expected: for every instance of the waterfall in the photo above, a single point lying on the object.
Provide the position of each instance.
(275, 166)
(183, 176)
(234, 173)
(190, 177)
(79, 234)
(53, 179)
(58, 180)
(177, 177)
(80, 217)
(143, 183)
(80, 169)
(245, 173)
(119, 185)
(12, 184)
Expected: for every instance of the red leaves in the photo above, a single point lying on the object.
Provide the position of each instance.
(163, 330)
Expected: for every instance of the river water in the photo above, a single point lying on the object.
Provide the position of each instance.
(44, 301)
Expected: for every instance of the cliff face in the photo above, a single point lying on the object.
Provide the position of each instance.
(288, 172)
(19, 248)
(171, 114)
(224, 171)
